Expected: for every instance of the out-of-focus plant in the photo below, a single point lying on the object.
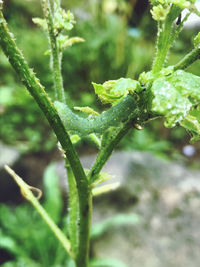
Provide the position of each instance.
(146, 140)
(25, 237)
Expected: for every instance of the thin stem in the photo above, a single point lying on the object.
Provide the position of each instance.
(25, 189)
(33, 85)
(56, 55)
(82, 246)
(73, 208)
(188, 59)
(162, 50)
(107, 150)
(82, 257)
(165, 39)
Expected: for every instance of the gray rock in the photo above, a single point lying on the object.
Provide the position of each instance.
(166, 196)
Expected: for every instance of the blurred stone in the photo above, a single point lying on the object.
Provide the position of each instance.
(166, 196)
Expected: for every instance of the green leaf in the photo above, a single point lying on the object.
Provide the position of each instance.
(75, 138)
(177, 97)
(113, 90)
(53, 198)
(105, 189)
(9, 244)
(192, 123)
(64, 41)
(63, 20)
(102, 177)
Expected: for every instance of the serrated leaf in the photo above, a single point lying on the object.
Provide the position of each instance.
(64, 41)
(63, 20)
(73, 40)
(177, 97)
(113, 90)
(169, 102)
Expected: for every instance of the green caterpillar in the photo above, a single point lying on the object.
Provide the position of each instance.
(112, 117)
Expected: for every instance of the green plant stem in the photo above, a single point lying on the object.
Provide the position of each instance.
(26, 191)
(73, 208)
(165, 39)
(33, 85)
(107, 150)
(56, 55)
(188, 59)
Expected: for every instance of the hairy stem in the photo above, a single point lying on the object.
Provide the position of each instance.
(106, 151)
(73, 208)
(33, 85)
(165, 39)
(56, 55)
(188, 59)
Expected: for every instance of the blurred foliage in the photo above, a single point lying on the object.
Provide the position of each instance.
(25, 240)
(21, 122)
(146, 140)
(119, 37)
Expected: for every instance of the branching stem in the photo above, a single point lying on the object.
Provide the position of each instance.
(188, 59)
(106, 151)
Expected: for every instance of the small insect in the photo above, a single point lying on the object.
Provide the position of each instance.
(178, 22)
(112, 117)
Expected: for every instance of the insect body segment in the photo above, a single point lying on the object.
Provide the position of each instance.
(112, 117)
